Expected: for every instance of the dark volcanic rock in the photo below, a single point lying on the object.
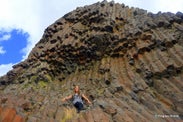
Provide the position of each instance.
(127, 61)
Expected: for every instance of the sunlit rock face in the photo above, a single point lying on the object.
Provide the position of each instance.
(127, 61)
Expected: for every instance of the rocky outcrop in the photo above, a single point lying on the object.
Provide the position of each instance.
(127, 61)
(9, 115)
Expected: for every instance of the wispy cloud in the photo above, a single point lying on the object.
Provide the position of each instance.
(5, 68)
(2, 51)
(155, 5)
(5, 37)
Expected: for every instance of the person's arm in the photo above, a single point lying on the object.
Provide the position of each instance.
(67, 98)
(86, 98)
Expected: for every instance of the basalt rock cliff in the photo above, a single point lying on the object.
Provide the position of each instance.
(128, 61)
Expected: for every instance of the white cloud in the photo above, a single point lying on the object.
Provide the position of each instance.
(33, 16)
(5, 37)
(5, 68)
(2, 51)
(155, 5)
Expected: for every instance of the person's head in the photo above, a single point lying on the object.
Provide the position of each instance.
(76, 89)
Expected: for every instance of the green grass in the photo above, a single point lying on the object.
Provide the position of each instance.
(42, 84)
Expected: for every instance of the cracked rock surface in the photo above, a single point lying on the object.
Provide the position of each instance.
(127, 61)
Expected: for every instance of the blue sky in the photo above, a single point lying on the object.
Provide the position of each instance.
(22, 22)
(12, 44)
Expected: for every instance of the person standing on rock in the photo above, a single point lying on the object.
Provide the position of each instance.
(77, 99)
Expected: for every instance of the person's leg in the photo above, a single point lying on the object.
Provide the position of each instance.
(76, 105)
(79, 106)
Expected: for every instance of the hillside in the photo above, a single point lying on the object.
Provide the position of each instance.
(128, 61)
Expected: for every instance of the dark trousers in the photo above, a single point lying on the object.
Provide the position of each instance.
(79, 106)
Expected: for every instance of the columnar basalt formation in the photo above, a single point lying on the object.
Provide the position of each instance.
(128, 61)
